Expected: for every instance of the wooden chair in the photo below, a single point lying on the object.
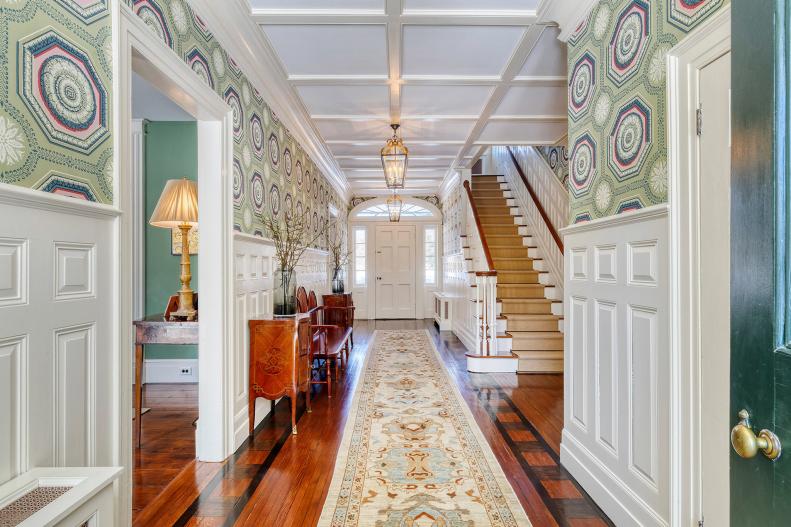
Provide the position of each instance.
(302, 300)
(328, 343)
(339, 311)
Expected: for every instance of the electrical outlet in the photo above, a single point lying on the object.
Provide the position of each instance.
(186, 371)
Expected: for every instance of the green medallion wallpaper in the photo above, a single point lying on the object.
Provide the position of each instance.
(55, 97)
(617, 102)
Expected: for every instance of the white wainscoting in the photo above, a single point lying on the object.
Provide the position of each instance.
(550, 192)
(457, 286)
(254, 268)
(57, 340)
(617, 402)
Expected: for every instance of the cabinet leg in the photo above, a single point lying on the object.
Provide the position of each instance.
(293, 400)
(251, 413)
(307, 399)
(138, 391)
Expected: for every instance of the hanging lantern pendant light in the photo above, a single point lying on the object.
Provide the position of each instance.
(394, 205)
(394, 160)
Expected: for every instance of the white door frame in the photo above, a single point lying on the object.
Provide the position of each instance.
(141, 51)
(707, 43)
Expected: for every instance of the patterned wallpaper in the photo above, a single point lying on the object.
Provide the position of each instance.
(271, 172)
(55, 97)
(557, 157)
(452, 218)
(617, 103)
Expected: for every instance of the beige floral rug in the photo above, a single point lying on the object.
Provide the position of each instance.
(412, 453)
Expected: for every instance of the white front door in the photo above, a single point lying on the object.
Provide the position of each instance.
(395, 271)
(715, 308)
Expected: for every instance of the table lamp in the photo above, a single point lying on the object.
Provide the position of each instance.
(178, 207)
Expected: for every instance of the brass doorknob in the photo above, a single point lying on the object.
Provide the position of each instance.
(747, 444)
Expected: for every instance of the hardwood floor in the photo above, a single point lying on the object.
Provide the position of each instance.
(282, 480)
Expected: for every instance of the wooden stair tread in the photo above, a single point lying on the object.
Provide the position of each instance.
(537, 334)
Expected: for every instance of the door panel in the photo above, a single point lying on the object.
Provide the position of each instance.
(755, 328)
(395, 271)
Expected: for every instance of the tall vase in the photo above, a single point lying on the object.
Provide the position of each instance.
(337, 282)
(285, 297)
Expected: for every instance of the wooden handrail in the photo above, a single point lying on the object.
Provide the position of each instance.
(486, 252)
(540, 207)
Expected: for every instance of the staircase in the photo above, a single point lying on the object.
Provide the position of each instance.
(527, 305)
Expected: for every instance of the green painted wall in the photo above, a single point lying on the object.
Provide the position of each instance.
(55, 97)
(617, 102)
(171, 153)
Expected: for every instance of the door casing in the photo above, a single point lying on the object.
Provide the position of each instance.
(700, 48)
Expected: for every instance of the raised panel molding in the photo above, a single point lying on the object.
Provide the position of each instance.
(578, 360)
(617, 388)
(13, 272)
(75, 268)
(606, 366)
(13, 407)
(579, 264)
(74, 398)
(641, 359)
(643, 263)
(606, 264)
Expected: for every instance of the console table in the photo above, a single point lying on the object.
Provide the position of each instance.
(279, 361)
(154, 329)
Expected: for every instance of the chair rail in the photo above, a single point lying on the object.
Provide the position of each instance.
(537, 202)
(489, 261)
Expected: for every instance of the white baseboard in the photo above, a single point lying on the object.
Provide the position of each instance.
(168, 371)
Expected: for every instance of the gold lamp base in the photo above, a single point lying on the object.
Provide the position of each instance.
(186, 310)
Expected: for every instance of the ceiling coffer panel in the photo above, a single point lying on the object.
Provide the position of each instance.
(455, 74)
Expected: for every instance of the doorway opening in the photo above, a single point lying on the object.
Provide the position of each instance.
(142, 57)
(395, 265)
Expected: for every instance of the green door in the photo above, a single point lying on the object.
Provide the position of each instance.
(761, 255)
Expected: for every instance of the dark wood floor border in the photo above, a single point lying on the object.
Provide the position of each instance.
(263, 468)
(553, 505)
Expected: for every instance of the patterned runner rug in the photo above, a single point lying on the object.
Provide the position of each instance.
(412, 453)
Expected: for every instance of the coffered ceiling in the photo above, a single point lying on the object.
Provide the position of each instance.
(458, 75)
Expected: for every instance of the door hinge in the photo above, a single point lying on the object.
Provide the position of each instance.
(699, 120)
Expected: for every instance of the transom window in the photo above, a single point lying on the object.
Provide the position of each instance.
(409, 210)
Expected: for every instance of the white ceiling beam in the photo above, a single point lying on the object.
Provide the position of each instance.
(270, 17)
(518, 58)
(427, 80)
(394, 47)
(273, 17)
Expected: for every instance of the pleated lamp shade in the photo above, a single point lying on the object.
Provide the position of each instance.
(178, 204)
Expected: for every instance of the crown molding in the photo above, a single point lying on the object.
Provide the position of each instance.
(567, 14)
(232, 25)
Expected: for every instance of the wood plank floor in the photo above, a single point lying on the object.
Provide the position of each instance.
(281, 480)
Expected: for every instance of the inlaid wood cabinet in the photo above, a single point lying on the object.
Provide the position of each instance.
(279, 361)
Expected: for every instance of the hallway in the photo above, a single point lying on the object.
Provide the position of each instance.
(285, 478)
